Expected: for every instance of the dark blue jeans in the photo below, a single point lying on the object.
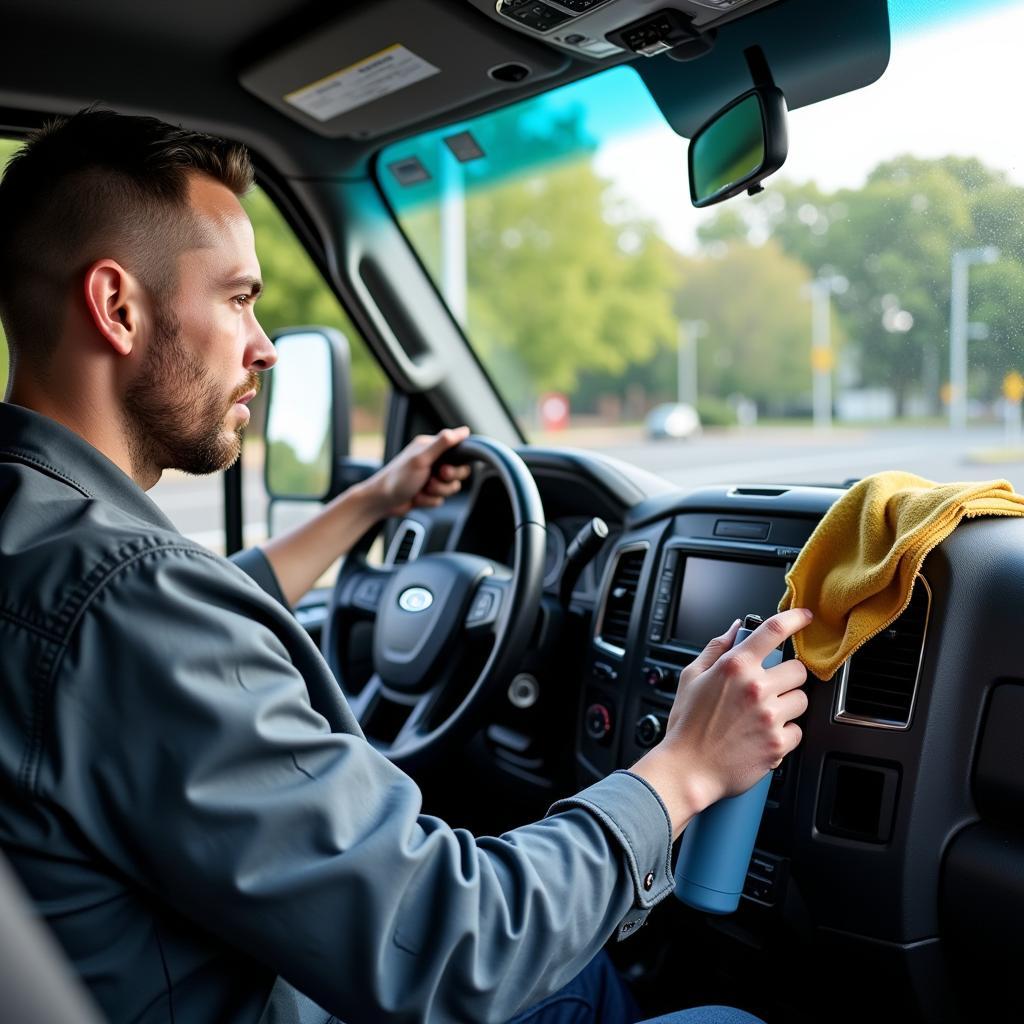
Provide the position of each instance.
(597, 995)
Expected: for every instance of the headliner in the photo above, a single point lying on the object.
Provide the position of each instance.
(181, 61)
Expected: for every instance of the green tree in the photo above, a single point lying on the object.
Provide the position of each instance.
(296, 294)
(292, 477)
(565, 283)
(754, 302)
(893, 239)
(562, 279)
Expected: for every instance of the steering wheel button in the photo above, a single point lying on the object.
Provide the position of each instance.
(368, 593)
(482, 606)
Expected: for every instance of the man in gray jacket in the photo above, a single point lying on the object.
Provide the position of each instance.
(187, 796)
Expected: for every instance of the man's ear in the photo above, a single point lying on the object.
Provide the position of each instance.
(112, 297)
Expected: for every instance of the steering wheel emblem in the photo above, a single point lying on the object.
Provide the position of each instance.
(415, 599)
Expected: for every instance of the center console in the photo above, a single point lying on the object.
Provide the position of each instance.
(887, 828)
(673, 583)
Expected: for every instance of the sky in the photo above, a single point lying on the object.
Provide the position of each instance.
(930, 102)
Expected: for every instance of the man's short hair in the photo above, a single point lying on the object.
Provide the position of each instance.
(92, 186)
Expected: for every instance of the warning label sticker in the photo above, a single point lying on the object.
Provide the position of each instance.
(378, 75)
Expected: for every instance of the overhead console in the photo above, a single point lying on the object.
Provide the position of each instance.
(814, 50)
(602, 29)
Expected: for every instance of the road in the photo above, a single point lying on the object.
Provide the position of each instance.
(787, 455)
(759, 455)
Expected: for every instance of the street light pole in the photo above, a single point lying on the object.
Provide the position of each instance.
(821, 290)
(961, 262)
(454, 284)
(821, 354)
(686, 360)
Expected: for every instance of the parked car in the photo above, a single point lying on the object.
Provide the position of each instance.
(673, 419)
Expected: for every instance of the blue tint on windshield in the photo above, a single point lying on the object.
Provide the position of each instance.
(909, 16)
(572, 122)
(562, 125)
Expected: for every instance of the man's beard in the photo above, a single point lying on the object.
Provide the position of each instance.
(175, 411)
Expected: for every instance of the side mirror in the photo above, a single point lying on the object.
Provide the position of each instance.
(307, 426)
(736, 149)
(307, 429)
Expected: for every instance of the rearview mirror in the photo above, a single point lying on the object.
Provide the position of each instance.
(736, 149)
(307, 428)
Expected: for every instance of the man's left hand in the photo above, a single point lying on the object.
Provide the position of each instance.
(412, 480)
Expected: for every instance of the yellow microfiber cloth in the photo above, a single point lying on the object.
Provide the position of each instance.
(857, 570)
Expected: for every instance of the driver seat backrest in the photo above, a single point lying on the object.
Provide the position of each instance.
(38, 984)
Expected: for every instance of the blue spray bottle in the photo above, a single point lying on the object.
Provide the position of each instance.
(718, 843)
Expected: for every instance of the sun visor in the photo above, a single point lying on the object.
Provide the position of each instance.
(393, 63)
(816, 49)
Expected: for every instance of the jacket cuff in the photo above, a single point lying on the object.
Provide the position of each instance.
(631, 810)
(253, 562)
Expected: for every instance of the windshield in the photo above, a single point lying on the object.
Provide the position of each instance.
(863, 313)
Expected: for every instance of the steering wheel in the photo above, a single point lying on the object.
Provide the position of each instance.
(427, 613)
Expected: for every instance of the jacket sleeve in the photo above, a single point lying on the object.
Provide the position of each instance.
(188, 752)
(254, 563)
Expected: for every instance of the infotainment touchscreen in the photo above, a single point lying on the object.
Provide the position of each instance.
(714, 592)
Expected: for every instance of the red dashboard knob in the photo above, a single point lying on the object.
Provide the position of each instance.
(598, 721)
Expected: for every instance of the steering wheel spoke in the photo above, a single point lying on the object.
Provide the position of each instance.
(363, 703)
(420, 723)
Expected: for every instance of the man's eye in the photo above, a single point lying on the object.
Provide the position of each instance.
(242, 300)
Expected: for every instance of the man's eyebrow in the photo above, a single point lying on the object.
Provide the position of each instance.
(243, 282)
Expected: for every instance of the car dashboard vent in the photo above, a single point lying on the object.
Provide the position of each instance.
(406, 543)
(878, 684)
(613, 625)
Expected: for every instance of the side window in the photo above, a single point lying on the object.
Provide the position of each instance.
(7, 147)
(294, 294)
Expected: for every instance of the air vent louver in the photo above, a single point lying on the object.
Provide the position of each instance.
(621, 595)
(879, 688)
(404, 547)
(406, 543)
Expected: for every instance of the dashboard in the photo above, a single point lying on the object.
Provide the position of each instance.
(891, 842)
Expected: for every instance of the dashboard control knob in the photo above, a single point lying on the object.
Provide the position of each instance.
(598, 722)
(648, 730)
(523, 691)
(658, 677)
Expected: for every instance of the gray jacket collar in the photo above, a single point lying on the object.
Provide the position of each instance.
(47, 446)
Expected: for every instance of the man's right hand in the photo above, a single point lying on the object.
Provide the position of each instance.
(732, 720)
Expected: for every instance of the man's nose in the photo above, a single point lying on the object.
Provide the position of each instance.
(260, 353)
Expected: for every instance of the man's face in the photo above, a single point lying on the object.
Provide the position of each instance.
(187, 405)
